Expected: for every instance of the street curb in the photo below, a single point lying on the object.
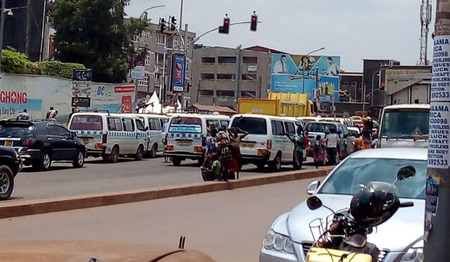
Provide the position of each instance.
(25, 208)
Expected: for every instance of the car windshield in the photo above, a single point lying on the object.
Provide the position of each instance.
(319, 127)
(405, 123)
(15, 131)
(186, 125)
(86, 122)
(346, 180)
(252, 125)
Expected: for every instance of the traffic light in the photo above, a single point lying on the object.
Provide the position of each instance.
(225, 28)
(382, 86)
(162, 25)
(173, 23)
(253, 22)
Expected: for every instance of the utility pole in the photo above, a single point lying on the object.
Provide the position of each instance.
(237, 89)
(437, 205)
(2, 25)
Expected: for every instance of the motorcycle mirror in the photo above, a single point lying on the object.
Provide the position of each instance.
(313, 203)
(406, 172)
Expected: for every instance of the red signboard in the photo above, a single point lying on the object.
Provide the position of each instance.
(124, 89)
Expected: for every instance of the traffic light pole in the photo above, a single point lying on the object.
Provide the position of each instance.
(437, 200)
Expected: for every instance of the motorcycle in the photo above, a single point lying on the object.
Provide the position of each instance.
(342, 236)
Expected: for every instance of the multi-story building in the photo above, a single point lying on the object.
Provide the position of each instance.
(24, 27)
(221, 76)
(159, 45)
(407, 84)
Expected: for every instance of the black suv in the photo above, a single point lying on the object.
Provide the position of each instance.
(9, 167)
(42, 142)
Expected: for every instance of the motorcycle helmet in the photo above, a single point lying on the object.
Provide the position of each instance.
(375, 203)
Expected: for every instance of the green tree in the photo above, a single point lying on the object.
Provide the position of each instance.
(93, 33)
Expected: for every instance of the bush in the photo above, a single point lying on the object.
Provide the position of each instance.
(59, 69)
(18, 63)
(13, 61)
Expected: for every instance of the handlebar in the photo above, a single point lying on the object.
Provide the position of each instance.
(406, 204)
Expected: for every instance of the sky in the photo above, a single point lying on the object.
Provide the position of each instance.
(352, 29)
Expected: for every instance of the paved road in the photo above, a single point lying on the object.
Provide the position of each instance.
(228, 225)
(99, 177)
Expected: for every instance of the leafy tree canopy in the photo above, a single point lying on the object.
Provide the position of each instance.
(93, 33)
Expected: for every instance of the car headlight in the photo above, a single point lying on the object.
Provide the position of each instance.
(278, 242)
(413, 254)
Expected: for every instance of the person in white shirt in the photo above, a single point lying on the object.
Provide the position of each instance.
(331, 141)
(333, 69)
(280, 66)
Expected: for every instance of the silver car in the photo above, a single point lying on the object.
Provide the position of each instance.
(399, 239)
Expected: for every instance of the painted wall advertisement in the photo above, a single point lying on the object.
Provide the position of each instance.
(316, 75)
(178, 72)
(439, 142)
(38, 93)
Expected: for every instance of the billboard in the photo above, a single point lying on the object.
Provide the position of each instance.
(178, 71)
(316, 75)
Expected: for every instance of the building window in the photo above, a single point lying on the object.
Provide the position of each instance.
(148, 59)
(225, 76)
(144, 82)
(225, 93)
(160, 39)
(207, 76)
(226, 60)
(208, 60)
(250, 60)
(249, 77)
(251, 94)
(206, 92)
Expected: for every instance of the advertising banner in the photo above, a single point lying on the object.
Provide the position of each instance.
(178, 71)
(316, 75)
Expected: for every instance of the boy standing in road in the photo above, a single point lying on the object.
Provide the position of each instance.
(331, 141)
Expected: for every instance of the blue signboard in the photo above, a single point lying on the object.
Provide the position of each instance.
(178, 72)
(316, 75)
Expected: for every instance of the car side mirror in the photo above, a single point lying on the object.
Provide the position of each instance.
(312, 188)
(73, 134)
(313, 203)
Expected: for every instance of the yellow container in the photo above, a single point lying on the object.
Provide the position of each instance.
(316, 254)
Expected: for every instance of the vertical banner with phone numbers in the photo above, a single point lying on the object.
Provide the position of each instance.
(178, 72)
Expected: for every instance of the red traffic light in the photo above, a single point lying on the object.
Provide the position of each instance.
(253, 22)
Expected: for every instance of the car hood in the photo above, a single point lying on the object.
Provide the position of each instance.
(404, 228)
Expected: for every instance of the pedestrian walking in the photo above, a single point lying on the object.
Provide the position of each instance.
(331, 141)
(236, 135)
(24, 116)
(319, 152)
(299, 146)
(51, 114)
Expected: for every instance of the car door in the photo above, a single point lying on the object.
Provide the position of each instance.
(70, 145)
(130, 141)
(291, 131)
(56, 142)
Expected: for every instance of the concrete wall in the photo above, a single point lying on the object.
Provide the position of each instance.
(38, 93)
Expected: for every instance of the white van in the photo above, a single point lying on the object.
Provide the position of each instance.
(266, 142)
(110, 135)
(186, 135)
(154, 125)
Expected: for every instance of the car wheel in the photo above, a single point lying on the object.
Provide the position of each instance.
(139, 153)
(44, 163)
(153, 151)
(276, 164)
(114, 156)
(176, 161)
(6, 182)
(78, 162)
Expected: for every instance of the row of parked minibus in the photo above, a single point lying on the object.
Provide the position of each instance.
(182, 136)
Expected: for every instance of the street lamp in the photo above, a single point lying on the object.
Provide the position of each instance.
(313, 51)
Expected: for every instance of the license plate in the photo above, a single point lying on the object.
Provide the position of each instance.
(86, 140)
(184, 143)
(247, 145)
(8, 143)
